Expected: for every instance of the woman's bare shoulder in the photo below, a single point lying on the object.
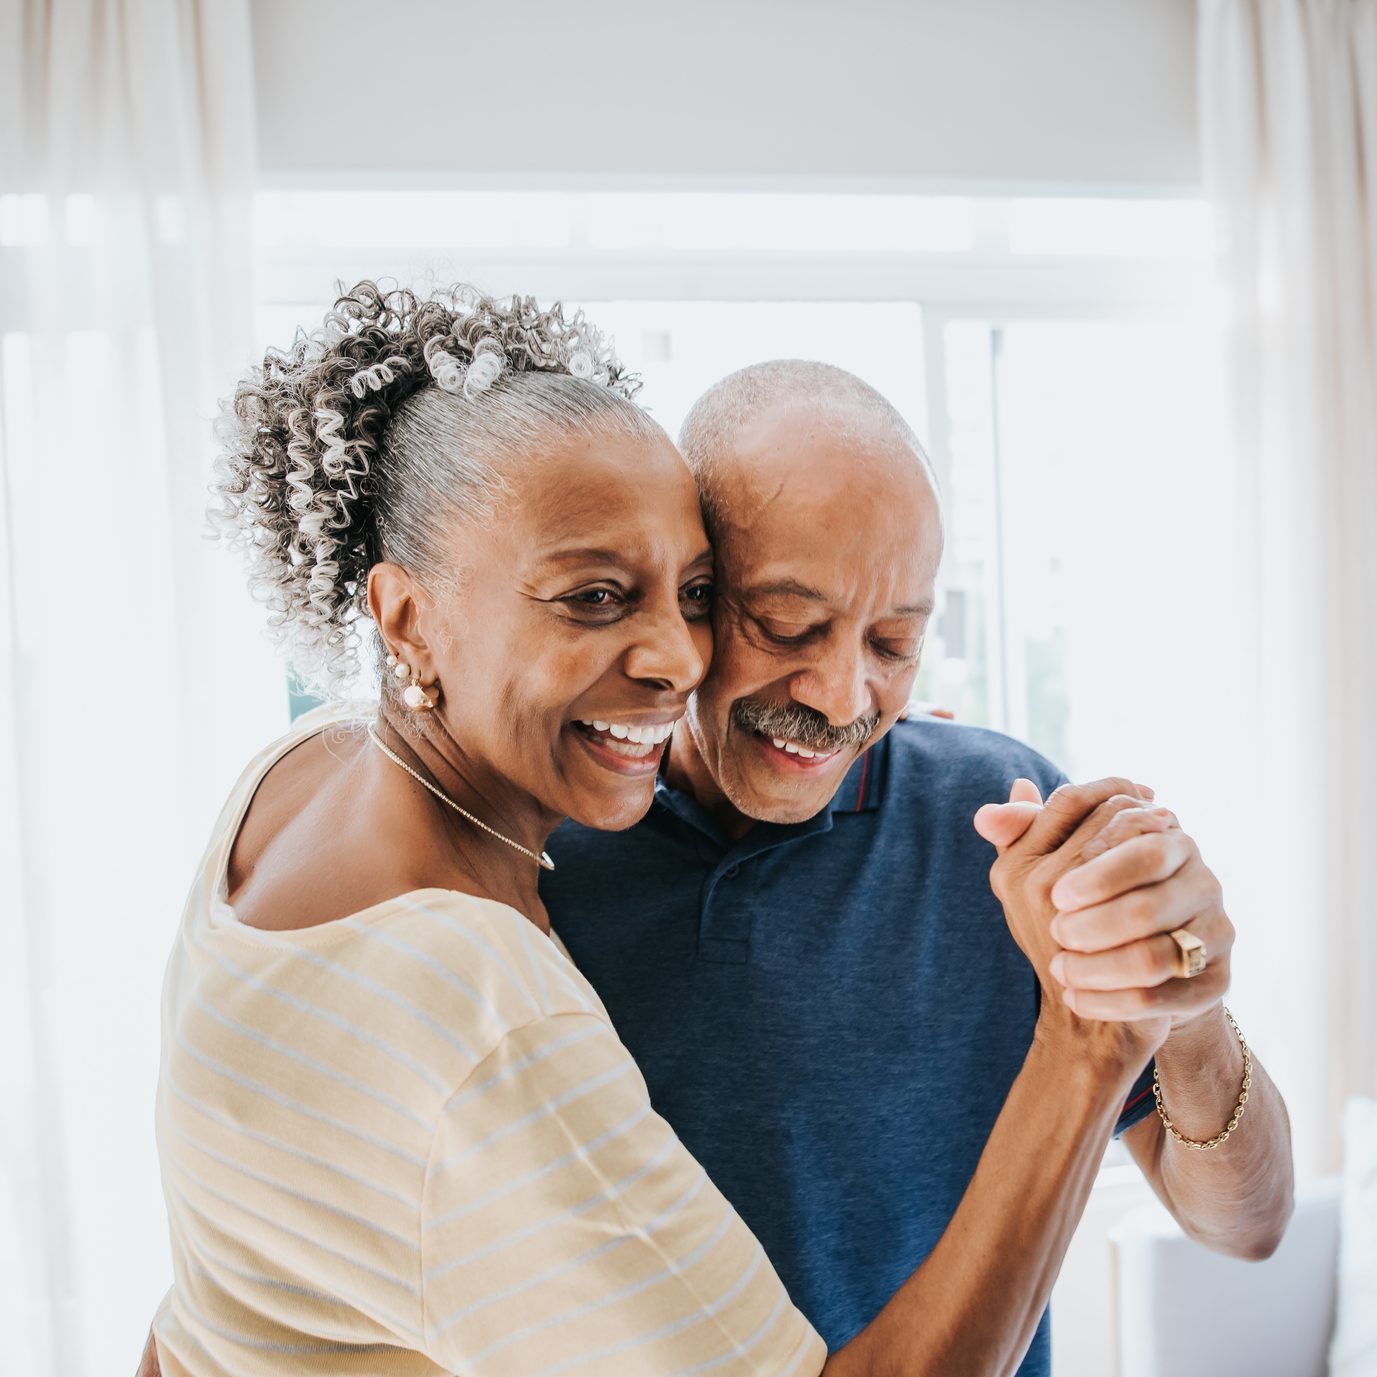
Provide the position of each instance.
(318, 843)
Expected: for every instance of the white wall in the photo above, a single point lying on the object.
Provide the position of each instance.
(1076, 91)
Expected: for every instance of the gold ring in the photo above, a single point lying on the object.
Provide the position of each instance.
(1191, 953)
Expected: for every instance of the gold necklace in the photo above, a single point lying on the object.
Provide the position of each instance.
(543, 860)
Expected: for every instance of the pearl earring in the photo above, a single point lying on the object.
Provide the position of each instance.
(416, 698)
(413, 695)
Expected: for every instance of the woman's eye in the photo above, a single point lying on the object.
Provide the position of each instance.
(698, 597)
(599, 599)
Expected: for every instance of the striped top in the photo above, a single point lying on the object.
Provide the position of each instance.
(408, 1141)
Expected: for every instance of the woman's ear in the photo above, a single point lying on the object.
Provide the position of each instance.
(394, 601)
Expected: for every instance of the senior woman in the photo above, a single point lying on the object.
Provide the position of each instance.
(398, 1133)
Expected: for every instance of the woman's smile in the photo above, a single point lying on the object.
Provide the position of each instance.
(629, 747)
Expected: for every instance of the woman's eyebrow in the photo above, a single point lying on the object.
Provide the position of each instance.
(581, 556)
(588, 555)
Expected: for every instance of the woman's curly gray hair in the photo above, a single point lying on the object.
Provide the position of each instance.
(369, 438)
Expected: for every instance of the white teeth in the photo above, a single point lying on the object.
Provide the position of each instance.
(640, 736)
(793, 748)
(630, 749)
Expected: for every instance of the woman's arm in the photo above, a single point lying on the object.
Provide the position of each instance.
(976, 1300)
(974, 1303)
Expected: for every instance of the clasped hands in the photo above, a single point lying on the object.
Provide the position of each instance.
(1093, 882)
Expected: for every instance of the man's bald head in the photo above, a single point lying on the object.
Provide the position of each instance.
(803, 390)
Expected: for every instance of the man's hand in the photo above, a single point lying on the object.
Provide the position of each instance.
(1125, 878)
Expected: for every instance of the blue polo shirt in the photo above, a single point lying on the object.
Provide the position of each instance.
(831, 1013)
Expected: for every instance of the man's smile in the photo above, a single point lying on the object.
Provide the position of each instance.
(783, 754)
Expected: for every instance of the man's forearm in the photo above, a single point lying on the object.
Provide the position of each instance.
(975, 1302)
(1235, 1198)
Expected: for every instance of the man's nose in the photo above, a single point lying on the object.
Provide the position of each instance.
(836, 686)
(665, 653)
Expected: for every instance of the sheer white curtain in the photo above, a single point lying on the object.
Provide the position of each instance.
(133, 679)
(1288, 93)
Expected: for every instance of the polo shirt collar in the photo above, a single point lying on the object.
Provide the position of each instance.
(861, 791)
(863, 787)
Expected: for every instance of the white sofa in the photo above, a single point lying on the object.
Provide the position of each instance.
(1183, 1311)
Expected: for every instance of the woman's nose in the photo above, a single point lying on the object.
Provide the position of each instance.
(666, 653)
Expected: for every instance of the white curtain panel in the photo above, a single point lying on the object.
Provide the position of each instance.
(1288, 92)
(133, 678)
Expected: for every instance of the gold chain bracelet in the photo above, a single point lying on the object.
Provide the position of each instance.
(1242, 1104)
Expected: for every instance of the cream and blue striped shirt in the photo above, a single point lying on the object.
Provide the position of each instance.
(409, 1141)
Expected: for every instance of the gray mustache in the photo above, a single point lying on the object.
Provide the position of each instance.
(804, 725)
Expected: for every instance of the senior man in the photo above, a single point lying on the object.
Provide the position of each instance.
(802, 947)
